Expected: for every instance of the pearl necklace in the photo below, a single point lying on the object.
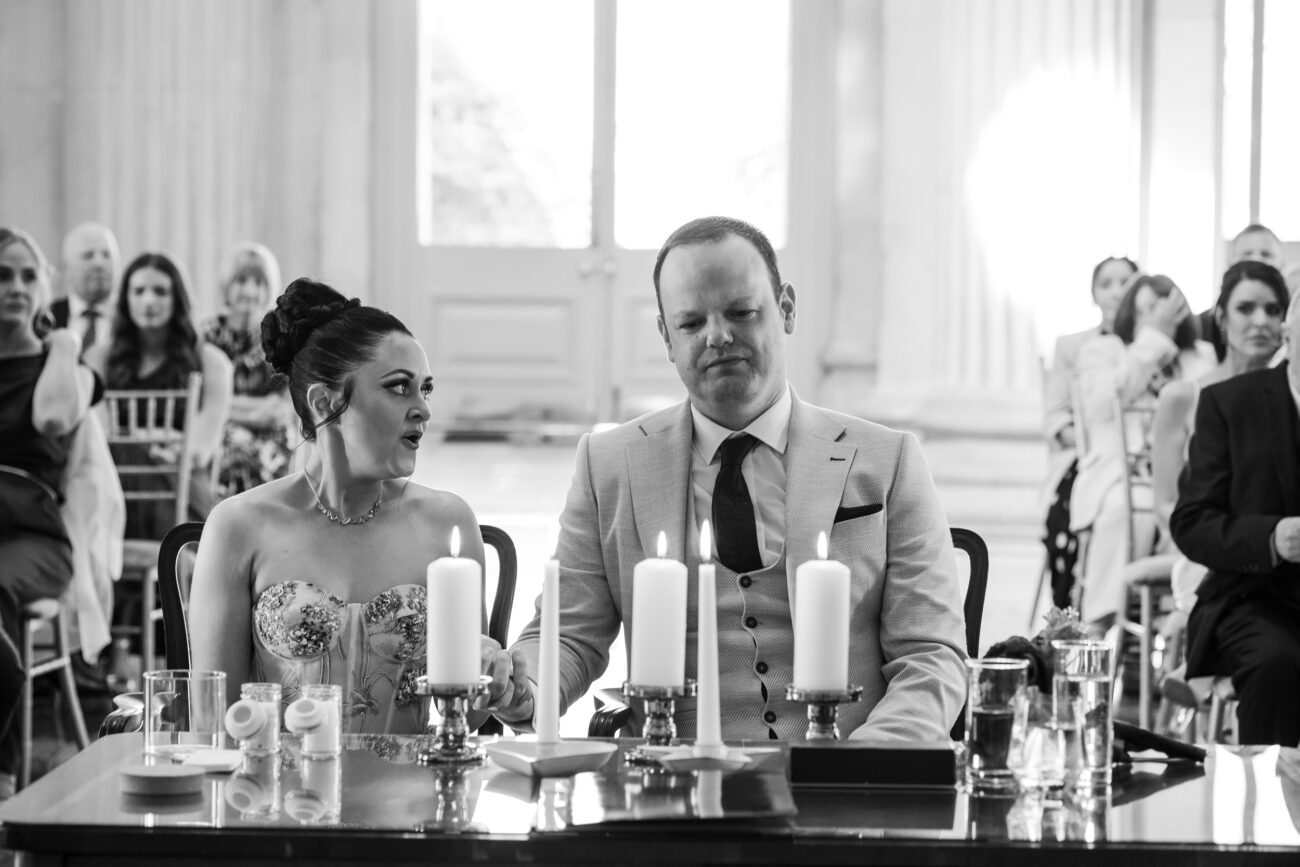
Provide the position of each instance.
(343, 520)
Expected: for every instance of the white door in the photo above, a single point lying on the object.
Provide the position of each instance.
(531, 157)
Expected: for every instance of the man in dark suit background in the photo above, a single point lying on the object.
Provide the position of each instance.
(1238, 513)
(91, 264)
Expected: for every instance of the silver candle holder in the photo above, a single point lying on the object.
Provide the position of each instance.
(660, 730)
(451, 744)
(823, 709)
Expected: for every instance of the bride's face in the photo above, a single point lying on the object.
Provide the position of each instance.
(388, 410)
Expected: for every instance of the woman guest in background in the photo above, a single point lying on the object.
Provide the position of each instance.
(319, 577)
(255, 448)
(1154, 342)
(1252, 303)
(1109, 279)
(44, 393)
(153, 346)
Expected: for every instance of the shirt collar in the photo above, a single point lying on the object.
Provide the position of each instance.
(772, 428)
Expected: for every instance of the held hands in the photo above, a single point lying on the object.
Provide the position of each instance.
(511, 694)
(1286, 537)
(1166, 314)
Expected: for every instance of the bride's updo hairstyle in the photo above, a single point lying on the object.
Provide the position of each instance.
(315, 335)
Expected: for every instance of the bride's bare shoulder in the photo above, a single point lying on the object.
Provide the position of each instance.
(266, 505)
(436, 503)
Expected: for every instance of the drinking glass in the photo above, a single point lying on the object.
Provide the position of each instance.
(318, 717)
(184, 711)
(1081, 691)
(1038, 744)
(254, 720)
(995, 701)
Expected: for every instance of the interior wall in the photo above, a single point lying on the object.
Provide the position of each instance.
(188, 127)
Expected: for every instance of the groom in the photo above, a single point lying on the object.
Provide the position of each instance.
(772, 472)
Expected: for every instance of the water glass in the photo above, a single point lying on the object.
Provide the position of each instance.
(1081, 692)
(184, 711)
(1039, 744)
(995, 701)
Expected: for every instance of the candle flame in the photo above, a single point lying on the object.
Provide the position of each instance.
(706, 541)
(663, 544)
(455, 541)
(823, 546)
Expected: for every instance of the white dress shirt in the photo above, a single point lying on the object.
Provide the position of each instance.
(763, 469)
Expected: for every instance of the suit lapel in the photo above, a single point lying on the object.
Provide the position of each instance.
(659, 467)
(816, 469)
(1280, 410)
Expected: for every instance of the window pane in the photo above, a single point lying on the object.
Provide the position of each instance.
(505, 123)
(702, 115)
(1279, 203)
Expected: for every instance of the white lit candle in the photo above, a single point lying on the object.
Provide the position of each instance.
(821, 623)
(454, 615)
(659, 620)
(708, 732)
(548, 676)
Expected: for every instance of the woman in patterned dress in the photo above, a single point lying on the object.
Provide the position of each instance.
(319, 577)
(255, 446)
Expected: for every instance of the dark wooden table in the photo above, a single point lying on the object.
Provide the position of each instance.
(1230, 811)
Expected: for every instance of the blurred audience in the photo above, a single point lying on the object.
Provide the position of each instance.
(1249, 311)
(153, 346)
(1109, 278)
(44, 394)
(1238, 513)
(255, 448)
(1255, 243)
(1154, 342)
(91, 263)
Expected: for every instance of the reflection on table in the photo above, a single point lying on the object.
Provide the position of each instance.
(289, 806)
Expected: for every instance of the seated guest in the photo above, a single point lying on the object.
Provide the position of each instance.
(772, 472)
(44, 394)
(1238, 513)
(90, 266)
(1109, 280)
(319, 577)
(1255, 243)
(154, 346)
(1252, 301)
(255, 447)
(1154, 342)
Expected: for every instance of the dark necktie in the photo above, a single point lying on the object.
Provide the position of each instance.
(733, 511)
(91, 316)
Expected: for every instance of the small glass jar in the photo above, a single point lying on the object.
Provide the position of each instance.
(318, 717)
(254, 720)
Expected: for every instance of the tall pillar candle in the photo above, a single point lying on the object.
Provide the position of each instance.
(548, 676)
(455, 612)
(659, 621)
(821, 623)
(708, 732)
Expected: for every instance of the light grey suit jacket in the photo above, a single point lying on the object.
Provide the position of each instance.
(907, 631)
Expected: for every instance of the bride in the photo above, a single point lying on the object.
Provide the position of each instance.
(319, 577)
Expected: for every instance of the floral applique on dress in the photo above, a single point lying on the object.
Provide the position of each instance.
(374, 650)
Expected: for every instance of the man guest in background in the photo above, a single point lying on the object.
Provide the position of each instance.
(91, 264)
(771, 472)
(1238, 513)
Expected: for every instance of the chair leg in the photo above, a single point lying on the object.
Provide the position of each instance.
(68, 681)
(1144, 658)
(1044, 578)
(28, 651)
(148, 585)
